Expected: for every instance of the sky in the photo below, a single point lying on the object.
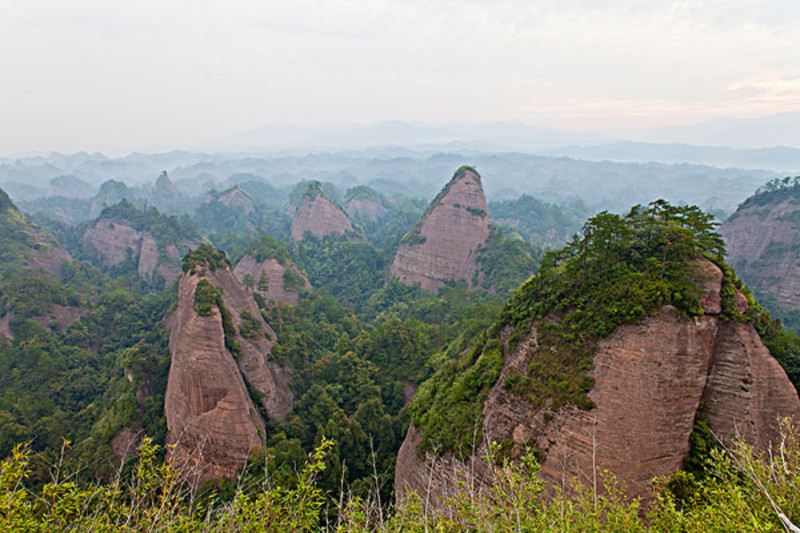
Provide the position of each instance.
(119, 76)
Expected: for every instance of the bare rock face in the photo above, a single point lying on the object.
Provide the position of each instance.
(274, 273)
(761, 242)
(318, 215)
(265, 376)
(444, 245)
(366, 209)
(112, 241)
(165, 188)
(651, 379)
(211, 418)
(237, 198)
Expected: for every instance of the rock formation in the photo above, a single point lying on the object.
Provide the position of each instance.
(236, 197)
(651, 380)
(164, 187)
(113, 240)
(365, 203)
(762, 240)
(366, 209)
(319, 215)
(274, 273)
(211, 417)
(444, 244)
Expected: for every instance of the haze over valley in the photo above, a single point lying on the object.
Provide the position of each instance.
(400, 266)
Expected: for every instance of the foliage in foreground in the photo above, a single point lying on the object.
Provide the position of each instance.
(741, 491)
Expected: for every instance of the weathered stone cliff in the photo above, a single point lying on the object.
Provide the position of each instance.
(366, 209)
(236, 197)
(211, 417)
(319, 215)
(275, 275)
(112, 241)
(444, 244)
(763, 242)
(651, 380)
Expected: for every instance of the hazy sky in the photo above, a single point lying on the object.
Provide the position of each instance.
(122, 75)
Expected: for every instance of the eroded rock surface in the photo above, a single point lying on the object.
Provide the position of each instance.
(237, 198)
(366, 209)
(651, 380)
(113, 241)
(762, 247)
(210, 415)
(444, 245)
(318, 215)
(274, 273)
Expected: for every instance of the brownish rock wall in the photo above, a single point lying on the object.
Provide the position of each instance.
(762, 247)
(318, 215)
(211, 420)
(366, 209)
(273, 270)
(113, 241)
(267, 377)
(210, 415)
(449, 237)
(237, 198)
(650, 379)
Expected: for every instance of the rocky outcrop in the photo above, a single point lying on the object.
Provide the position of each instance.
(444, 244)
(237, 198)
(763, 243)
(211, 417)
(112, 241)
(270, 277)
(164, 187)
(366, 209)
(320, 216)
(651, 380)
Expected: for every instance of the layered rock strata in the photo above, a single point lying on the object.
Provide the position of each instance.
(651, 381)
(444, 244)
(763, 243)
(275, 275)
(112, 241)
(318, 215)
(211, 418)
(237, 198)
(365, 209)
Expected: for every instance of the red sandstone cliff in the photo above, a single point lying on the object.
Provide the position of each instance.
(443, 246)
(365, 208)
(761, 242)
(112, 241)
(273, 272)
(211, 418)
(236, 198)
(650, 379)
(318, 215)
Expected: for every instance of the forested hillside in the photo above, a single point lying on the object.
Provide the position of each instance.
(85, 348)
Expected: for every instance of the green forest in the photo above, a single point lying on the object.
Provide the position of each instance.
(85, 355)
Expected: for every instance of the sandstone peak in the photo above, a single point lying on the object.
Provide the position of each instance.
(237, 198)
(761, 237)
(164, 186)
(219, 347)
(319, 215)
(443, 245)
(604, 361)
(365, 203)
(122, 232)
(271, 279)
